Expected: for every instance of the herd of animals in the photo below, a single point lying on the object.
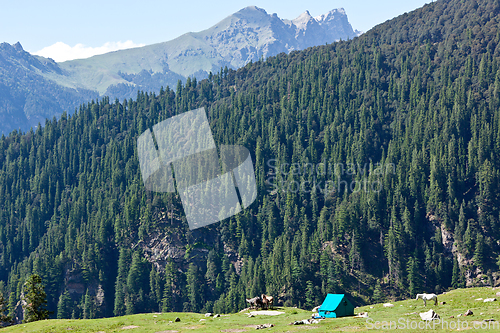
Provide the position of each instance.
(266, 302)
(263, 301)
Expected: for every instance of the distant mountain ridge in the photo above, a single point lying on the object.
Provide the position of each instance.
(34, 88)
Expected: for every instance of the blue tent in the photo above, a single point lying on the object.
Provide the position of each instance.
(335, 306)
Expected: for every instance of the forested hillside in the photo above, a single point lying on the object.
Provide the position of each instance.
(411, 109)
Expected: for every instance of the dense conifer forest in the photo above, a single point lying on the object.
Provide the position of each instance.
(409, 113)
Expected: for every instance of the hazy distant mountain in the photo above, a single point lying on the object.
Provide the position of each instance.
(34, 87)
(27, 97)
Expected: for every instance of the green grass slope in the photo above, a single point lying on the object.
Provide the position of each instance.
(404, 316)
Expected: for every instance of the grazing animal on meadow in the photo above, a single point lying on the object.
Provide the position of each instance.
(255, 302)
(267, 301)
(428, 297)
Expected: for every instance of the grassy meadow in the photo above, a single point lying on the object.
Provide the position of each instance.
(404, 317)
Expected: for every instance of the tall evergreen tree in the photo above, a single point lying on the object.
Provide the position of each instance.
(194, 288)
(5, 318)
(479, 256)
(35, 298)
(414, 279)
(378, 293)
(64, 306)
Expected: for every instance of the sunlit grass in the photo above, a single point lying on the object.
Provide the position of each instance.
(403, 313)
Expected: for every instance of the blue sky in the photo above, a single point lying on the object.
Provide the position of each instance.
(92, 23)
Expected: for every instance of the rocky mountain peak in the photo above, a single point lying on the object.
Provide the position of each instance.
(252, 12)
(253, 8)
(302, 21)
(18, 47)
(331, 15)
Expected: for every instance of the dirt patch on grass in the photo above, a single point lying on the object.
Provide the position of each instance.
(348, 328)
(191, 327)
(129, 327)
(266, 313)
(304, 327)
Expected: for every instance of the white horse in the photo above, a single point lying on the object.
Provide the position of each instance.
(428, 297)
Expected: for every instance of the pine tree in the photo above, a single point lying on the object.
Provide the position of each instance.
(35, 298)
(167, 302)
(479, 251)
(331, 278)
(5, 318)
(88, 312)
(415, 284)
(121, 283)
(194, 288)
(155, 289)
(64, 306)
(378, 293)
(310, 295)
(12, 304)
(460, 227)
(213, 264)
(355, 253)
(455, 277)
(469, 237)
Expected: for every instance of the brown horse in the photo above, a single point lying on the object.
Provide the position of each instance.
(267, 301)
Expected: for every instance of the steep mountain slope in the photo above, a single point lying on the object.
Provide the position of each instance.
(408, 113)
(26, 97)
(43, 89)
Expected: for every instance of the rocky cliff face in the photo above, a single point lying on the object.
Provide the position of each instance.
(474, 276)
(168, 244)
